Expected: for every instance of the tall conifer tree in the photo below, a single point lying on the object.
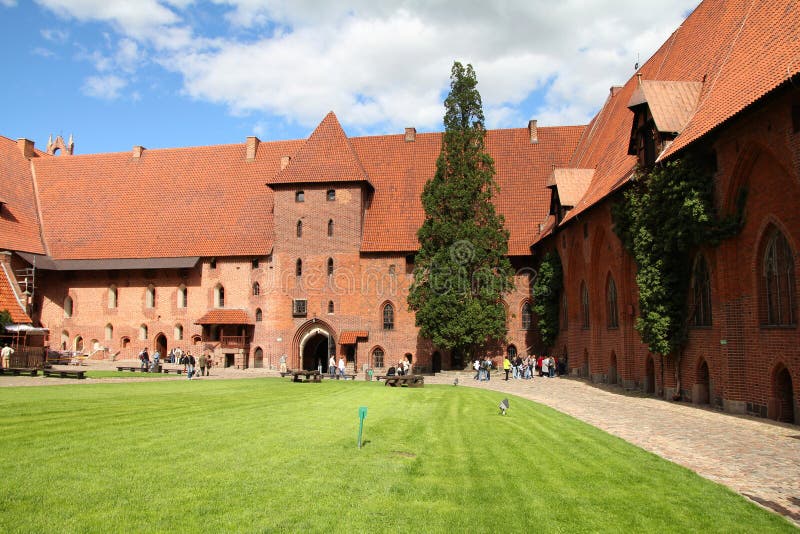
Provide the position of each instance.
(462, 269)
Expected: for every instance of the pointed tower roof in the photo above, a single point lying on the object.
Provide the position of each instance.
(327, 156)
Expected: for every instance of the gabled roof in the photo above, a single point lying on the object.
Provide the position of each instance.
(671, 103)
(9, 299)
(571, 184)
(327, 156)
(19, 219)
(350, 337)
(222, 316)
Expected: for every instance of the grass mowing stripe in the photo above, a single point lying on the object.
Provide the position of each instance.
(267, 454)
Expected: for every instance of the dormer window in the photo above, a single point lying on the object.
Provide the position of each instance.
(331, 194)
(299, 196)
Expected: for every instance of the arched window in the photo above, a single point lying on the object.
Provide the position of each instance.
(331, 194)
(298, 268)
(299, 228)
(330, 228)
(112, 296)
(612, 313)
(254, 264)
(125, 341)
(182, 296)
(178, 332)
(109, 332)
(512, 352)
(585, 305)
(143, 331)
(299, 196)
(330, 306)
(68, 307)
(700, 294)
(219, 296)
(377, 357)
(388, 316)
(256, 289)
(777, 281)
(150, 297)
(64, 339)
(259, 315)
(330, 266)
(526, 316)
(212, 264)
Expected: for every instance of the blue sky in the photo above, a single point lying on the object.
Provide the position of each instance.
(166, 73)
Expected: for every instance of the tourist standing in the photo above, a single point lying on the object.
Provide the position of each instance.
(154, 365)
(477, 366)
(545, 367)
(190, 363)
(341, 367)
(6, 354)
(332, 366)
(507, 367)
(551, 363)
(144, 357)
(203, 361)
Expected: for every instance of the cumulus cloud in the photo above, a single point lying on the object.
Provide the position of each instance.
(105, 87)
(384, 65)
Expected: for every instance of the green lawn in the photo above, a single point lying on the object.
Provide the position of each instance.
(268, 454)
(126, 374)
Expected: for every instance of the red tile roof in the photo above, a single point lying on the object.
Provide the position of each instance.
(739, 50)
(571, 184)
(222, 316)
(19, 220)
(9, 300)
(327, 156)
(350, 337)
(671, 103)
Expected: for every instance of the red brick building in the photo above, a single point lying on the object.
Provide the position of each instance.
(305, 248)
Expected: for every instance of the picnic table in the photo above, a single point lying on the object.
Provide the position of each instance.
(306, 376)
(412, 381)
(137, 368)
(65, 373)
(16, 371)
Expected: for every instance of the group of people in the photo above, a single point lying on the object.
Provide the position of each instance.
(333, 367)
(190, 364)
(483, 368)
(520, 368)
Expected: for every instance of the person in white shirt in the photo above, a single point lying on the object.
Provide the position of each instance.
(341, 367)
(6, 354)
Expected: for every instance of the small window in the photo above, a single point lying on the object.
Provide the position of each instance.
(112, 296)
(109, 332)
(219, 296)
(611, 301)
(330, 228)
(377, 358)
(512, 352)
(299, 307)
(585, 305)
(331, 195)
(299, 228)
(388, 316)
(259, 315)
(68, 307)
(298, 268)
(182, 296)
(178, 332)
(526, 316)
(300, 196)
(330, 266)
(256, 289)
(150, 297)
(392, 270)
(255, 263)
(143, 331)
(212, 264)
(330, 306)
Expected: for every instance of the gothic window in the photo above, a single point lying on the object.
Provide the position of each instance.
(612, 312)
(331, 194)
(259, 315)
(256, 289)
(330, 228)
(300, 196)
(330, 306)
(182, 296)
(584, 305)
(298, 268)
(700, 295)
(178, 332)
(109, 332)
(377, 357)
(388, 316)
(778, 282)
(143, 331)
(150, 297)
(299, 228)
(219, 296)
(299, 307)
(512, 352)
(112, 296)
(526, 316)
(330, 266)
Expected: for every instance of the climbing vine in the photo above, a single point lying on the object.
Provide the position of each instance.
(546, 291)
(666, 213)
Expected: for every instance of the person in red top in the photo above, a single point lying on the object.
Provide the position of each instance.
(539, 365)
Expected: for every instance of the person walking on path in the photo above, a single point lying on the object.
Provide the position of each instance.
(332, 366)
(203, 361)
(341, 368)
(507, 367)
(6, 354)
(190, 363)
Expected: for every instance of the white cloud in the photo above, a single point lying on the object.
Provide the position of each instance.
(43, 52)
(8, 3)
(105, 87)
(55, 36)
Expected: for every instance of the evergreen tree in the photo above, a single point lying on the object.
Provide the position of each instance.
(462, 270)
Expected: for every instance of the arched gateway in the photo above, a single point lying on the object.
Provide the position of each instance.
(314, 342)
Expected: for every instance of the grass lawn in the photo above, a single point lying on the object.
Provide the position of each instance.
(268, 454)
(125, 374)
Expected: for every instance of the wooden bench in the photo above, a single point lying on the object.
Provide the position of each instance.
(16, 371)
(412, 381)
(178, 371)
(346, 376)
(286, 373)
(136, 368)
(306, 376)
(69, 373)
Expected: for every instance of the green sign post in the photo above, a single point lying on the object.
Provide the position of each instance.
(362, 414)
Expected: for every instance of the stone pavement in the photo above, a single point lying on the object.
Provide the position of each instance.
(757, 458)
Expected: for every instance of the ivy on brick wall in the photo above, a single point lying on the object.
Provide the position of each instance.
(666, 214)
(546, 291)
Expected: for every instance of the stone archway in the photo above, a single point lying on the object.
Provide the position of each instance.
(313, 344)
(258, 358)
(783, 400)
(701, 391)
(161, 345)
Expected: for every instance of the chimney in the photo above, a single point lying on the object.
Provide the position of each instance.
(285, 161)
(614, 89)
(532, 131)
(639, 78)
(252, 146)
(137, 151)
(26, 147)
(411, 135)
